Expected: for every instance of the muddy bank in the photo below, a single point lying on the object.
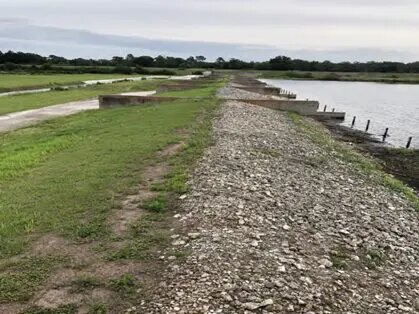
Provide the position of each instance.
(402, 163)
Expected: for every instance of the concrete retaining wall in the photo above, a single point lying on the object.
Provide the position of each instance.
(274, 91)
(329, 115)
(303, 107)
(112, 101)
(176, 87)
(268, 90)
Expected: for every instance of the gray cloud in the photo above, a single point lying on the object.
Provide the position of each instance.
(325, 29)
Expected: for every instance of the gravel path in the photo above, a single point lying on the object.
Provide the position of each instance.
(16, 120)
(230, 91)
(275, 224)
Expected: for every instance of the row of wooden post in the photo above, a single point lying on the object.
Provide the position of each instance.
(325, 107)
(385, 135)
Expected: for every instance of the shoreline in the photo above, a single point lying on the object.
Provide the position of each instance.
(404, 82)
(400, 162)
(362, 77)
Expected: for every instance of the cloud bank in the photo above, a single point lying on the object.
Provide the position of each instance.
(253, 30)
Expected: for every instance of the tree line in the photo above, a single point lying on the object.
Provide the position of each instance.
(10, 61)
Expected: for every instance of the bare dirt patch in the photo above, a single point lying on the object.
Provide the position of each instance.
(106, 270)
(57, 297)
(50, 244)
(156, 173)
(171, 150)
(130, 211)
(14, 308)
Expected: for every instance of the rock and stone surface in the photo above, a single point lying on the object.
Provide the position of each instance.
(231, 91)
(278, 224)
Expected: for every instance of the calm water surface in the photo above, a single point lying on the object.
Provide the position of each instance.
(395, 106)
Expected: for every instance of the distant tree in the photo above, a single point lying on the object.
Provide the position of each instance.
(281, 63)
(191, 62)
(57, 60)
(144, 61)
(129, 60)
(236, 64)
(220, 63)
(117, 60)
(160, 61)
(19, 61)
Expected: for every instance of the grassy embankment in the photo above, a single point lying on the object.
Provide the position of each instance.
(23, 81)
(364, 164)
(406, 78)
(12, 82)
(17, 103)
(67, 176)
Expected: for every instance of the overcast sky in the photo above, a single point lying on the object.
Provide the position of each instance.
(250, 29)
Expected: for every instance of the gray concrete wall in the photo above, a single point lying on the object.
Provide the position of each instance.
(329, 115)
(268, 90)
(177, 87)
(112, 101)
(303, 107)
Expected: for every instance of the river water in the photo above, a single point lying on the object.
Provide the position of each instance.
(393, 106)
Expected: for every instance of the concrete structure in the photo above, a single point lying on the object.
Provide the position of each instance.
(111, 101)
(302, 107)
(177, 87)
(329, 115)
(16, 120)
(269, 90)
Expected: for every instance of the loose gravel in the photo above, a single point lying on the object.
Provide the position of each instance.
(231, 91)
(277, 224)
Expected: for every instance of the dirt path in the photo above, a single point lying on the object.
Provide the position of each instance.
(277, 224)
(21, 119)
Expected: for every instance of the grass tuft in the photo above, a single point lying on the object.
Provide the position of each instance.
(84, 283)
(156, 204)
(19, 280)
(98, 308)
(64, 309)
(125, 285)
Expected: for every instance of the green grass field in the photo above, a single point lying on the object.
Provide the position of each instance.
(17, 103)
(67, 176)
(406, 78)
(10, 82)
(55, 173)
(206, 91)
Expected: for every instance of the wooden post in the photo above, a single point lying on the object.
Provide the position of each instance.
(409, 141)
(385, 135)
(353, 122)
(325, 107)
(333, 110)
(368, 125)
